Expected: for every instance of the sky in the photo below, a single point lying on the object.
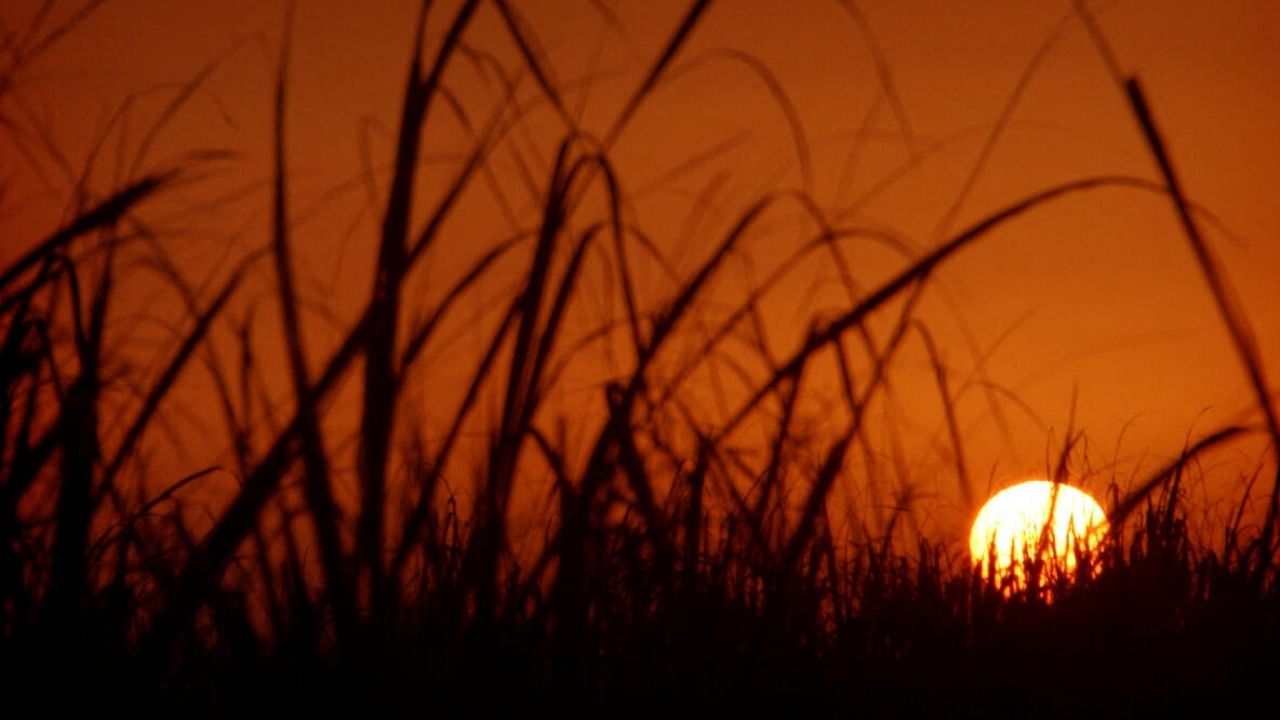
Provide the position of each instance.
(1089, 313)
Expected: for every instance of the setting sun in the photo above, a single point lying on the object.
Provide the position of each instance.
(1058, 518)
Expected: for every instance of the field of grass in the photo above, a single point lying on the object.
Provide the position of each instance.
(668, 566)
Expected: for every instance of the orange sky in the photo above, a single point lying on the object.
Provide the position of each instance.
(1096, 295)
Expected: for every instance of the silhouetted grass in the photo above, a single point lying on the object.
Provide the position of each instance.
(658, 580)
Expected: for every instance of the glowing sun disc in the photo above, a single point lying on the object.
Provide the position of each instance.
(1014, 522)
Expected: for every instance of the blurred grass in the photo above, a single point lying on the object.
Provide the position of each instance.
(658, 579)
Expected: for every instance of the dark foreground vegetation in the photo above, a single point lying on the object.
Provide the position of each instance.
(657, 580)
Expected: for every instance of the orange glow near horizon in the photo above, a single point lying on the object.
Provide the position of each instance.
(1031, 514)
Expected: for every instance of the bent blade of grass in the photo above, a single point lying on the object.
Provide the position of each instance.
(125, 525)
(920, 271)
(789, 112)
(1223, 294)
(883, 73)
(102, 215)
(1125, 507)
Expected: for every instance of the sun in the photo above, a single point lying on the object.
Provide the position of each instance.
(1057, 518)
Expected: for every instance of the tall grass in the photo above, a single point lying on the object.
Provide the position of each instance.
(659, 577)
